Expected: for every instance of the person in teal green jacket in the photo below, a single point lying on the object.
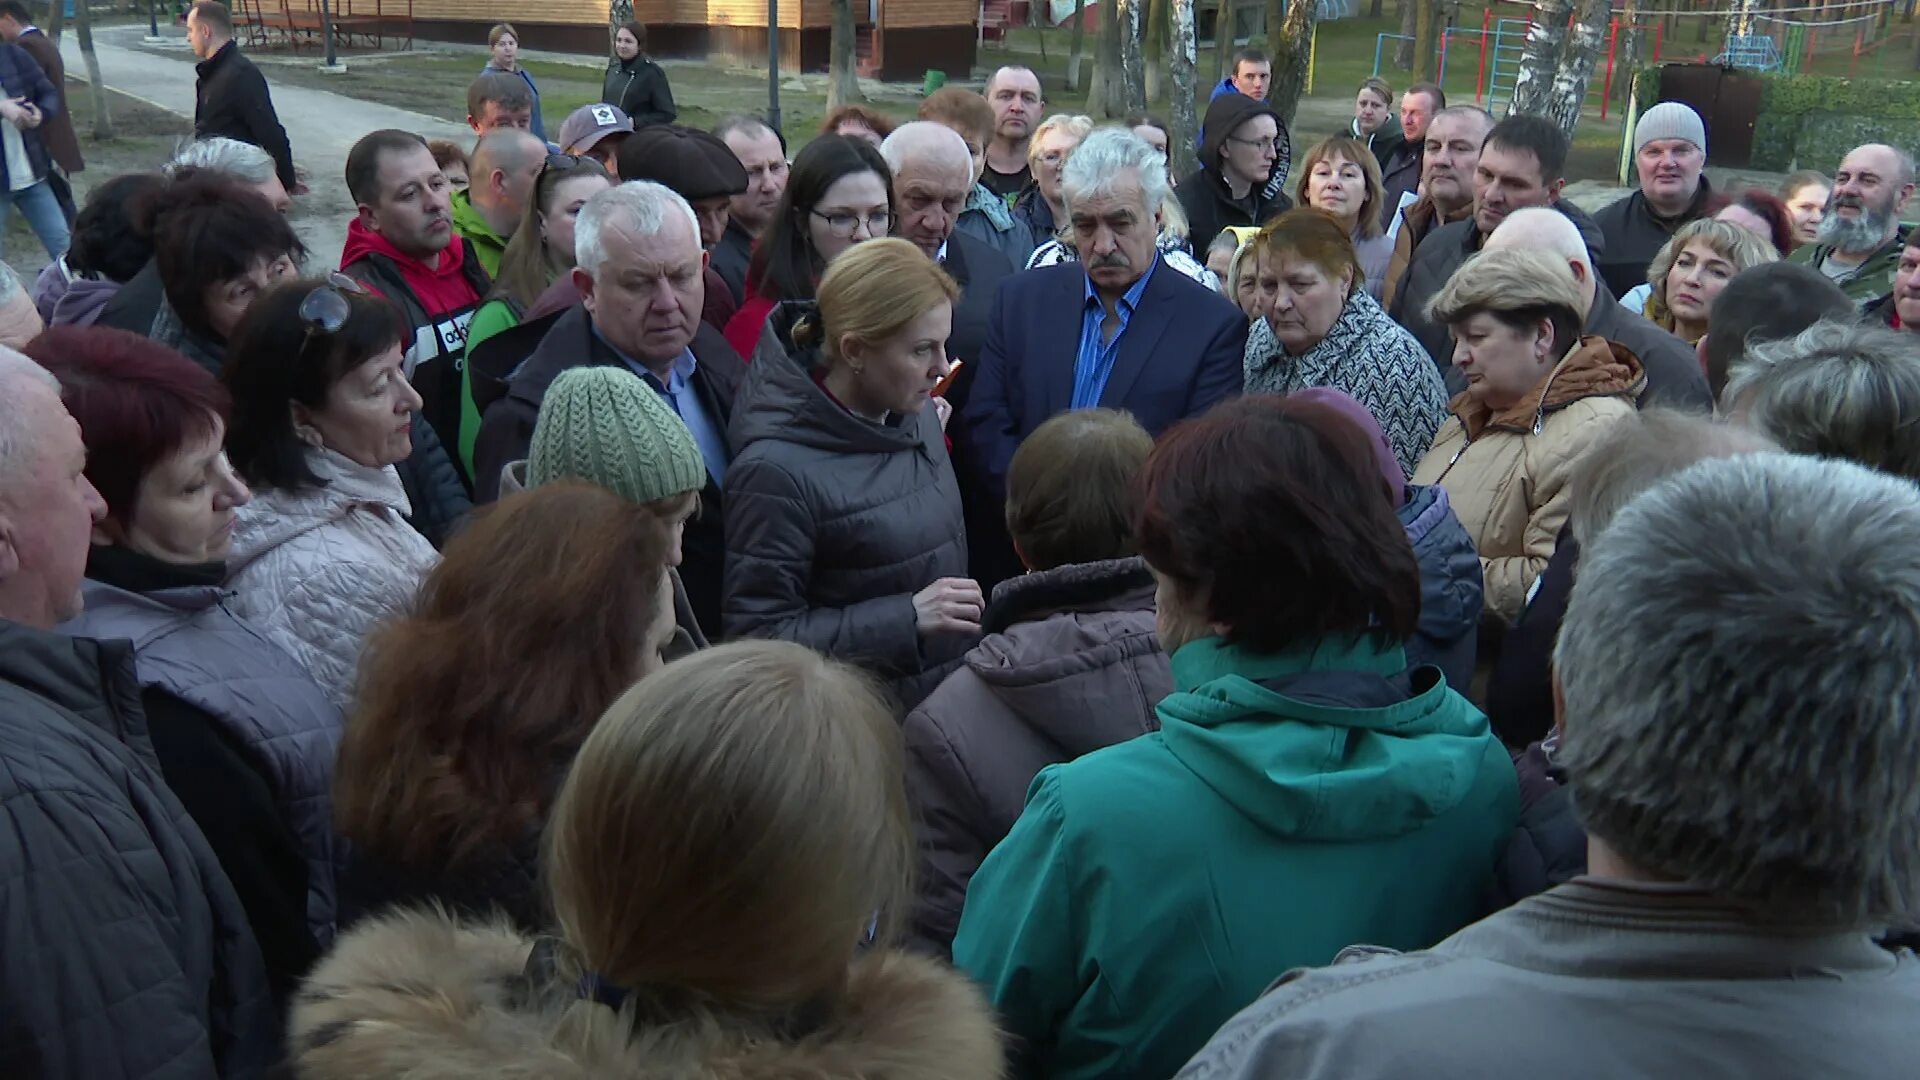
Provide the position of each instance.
(539, 253)
(1307, 791)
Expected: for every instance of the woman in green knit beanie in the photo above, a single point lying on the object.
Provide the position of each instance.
(605, 426)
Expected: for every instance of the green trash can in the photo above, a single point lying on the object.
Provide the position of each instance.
(935, 80)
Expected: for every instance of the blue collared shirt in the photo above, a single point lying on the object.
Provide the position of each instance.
(677, 391)
(1094, 366)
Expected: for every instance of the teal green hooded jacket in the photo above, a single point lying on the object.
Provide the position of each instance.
(1290, 806)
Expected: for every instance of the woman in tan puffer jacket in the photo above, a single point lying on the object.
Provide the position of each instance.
(1537, 396)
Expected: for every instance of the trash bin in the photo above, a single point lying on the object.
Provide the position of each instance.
(935, 80)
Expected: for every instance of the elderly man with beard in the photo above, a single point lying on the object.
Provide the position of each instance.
(1860, 237)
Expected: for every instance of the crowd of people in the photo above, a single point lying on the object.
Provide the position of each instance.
(954, 599)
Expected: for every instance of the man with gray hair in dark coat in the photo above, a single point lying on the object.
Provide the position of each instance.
(123, 949)
(1746, 773)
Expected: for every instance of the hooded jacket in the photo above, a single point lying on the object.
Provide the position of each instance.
(834, 522)
(1435, 260)
(1070, 664)
(1506, 472)
(317, 567)
(123, 950)
(1290, 805)
(1209, 203)
(1384, 142)
(64, 298)
(416, 995)
(1451, 589)
(1367, 356)
(472, 226)
(988, 220)
(1635, 234)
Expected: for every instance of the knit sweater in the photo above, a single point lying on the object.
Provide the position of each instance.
(1369, 357)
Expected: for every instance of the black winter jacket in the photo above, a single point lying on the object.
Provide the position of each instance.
(1635, 234)
(230, 99)
(506, 432)
(639, 87)
(835, 522)
(1209, 204)
(1674, 378)
(123, 949)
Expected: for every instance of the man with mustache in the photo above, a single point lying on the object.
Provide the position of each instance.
(1669, 153)
(1860, 237)
(1118, 330)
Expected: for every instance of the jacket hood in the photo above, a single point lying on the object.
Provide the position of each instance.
(278, 515)
(993, 206)
(1451, 595)
(1053, 638)
(363, 242)
(781, 401)
(1337, 741)
(1594, 367)
(469, 221)
(1224, 114)
(81, 302)
(416, 994)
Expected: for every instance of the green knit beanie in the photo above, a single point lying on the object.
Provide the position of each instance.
(607, 427)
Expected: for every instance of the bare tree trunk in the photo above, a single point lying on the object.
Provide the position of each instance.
(1377, 9)
(56, 19)
(1076, 50)
(1182, 53)
(1224, 27)
(1426, 27)
(1409, 22)
(1540, 60)
(1155, 49)
(1291, 53)
(1628, 58)
(1274, 13)
(843, 79)
(97, 87)
(1576, 66)
(1104, 97)
(1133, 78)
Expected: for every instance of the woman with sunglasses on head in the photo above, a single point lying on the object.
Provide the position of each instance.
(322, 412)
(839, 193)
(535, 261)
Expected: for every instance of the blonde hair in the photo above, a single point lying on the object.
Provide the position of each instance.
(1347, 148)
(1076, 125)
(1729, 241)
(1518, 286)
(731, 828)
(871, 293)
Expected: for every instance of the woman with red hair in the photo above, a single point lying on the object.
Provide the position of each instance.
(243, 735)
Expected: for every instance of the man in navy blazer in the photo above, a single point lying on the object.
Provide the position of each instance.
(1119, 329)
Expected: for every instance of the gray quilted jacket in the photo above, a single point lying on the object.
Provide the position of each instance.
(188, 643)
(834, 522)
(123, 950)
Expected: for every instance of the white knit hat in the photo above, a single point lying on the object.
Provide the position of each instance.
(1670, 120)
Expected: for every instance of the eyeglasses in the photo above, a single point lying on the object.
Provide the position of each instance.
(878, 223)
(325, 309)
(562, 161)
(1259, 145)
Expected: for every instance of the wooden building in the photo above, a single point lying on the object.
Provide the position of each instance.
(898, 39)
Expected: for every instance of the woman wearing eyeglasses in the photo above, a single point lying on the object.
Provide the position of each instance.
(839, 193)
(322, 411)
(844, 530)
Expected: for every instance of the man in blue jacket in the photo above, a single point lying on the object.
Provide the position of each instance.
(28, 99)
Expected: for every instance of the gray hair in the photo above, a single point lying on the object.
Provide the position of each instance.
(1103, 156)
(242, 161)
(1740, 661)
(1637, 452)
(1839, 389)
(16, 415)
(641, 206)
(925, 139)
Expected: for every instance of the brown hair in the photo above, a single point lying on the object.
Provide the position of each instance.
(499, 31)
(1070, 488)
(1306, 233)
(446, 152)
(872, 291)
(472, 704)
(637, 29)
(962, 109)
(730, 828)
(214, 14)
(1346, 148)
(1378, 86)
(879, 123)
(1249, 509)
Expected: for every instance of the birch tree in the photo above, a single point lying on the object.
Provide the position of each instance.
(843, 77)
(1104, 96)
(1182, 50)
(1133, 76)
(1292, 51)
(1540, 60)
(1155, 48)
(1582, 55)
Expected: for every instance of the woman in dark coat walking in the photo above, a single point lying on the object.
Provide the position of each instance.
(844, 530)
(636, 84)
(1070, 663)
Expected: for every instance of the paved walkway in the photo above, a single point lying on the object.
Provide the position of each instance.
(322, 127)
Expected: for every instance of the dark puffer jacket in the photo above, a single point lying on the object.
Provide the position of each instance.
(1070, 664)
(123, 950)
(1451, 593)
(835, 522)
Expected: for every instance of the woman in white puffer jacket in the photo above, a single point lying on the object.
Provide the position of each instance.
(322, 411)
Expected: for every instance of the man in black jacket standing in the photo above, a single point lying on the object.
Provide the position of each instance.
(1238, 158)
(230, 98)
(123, 949)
